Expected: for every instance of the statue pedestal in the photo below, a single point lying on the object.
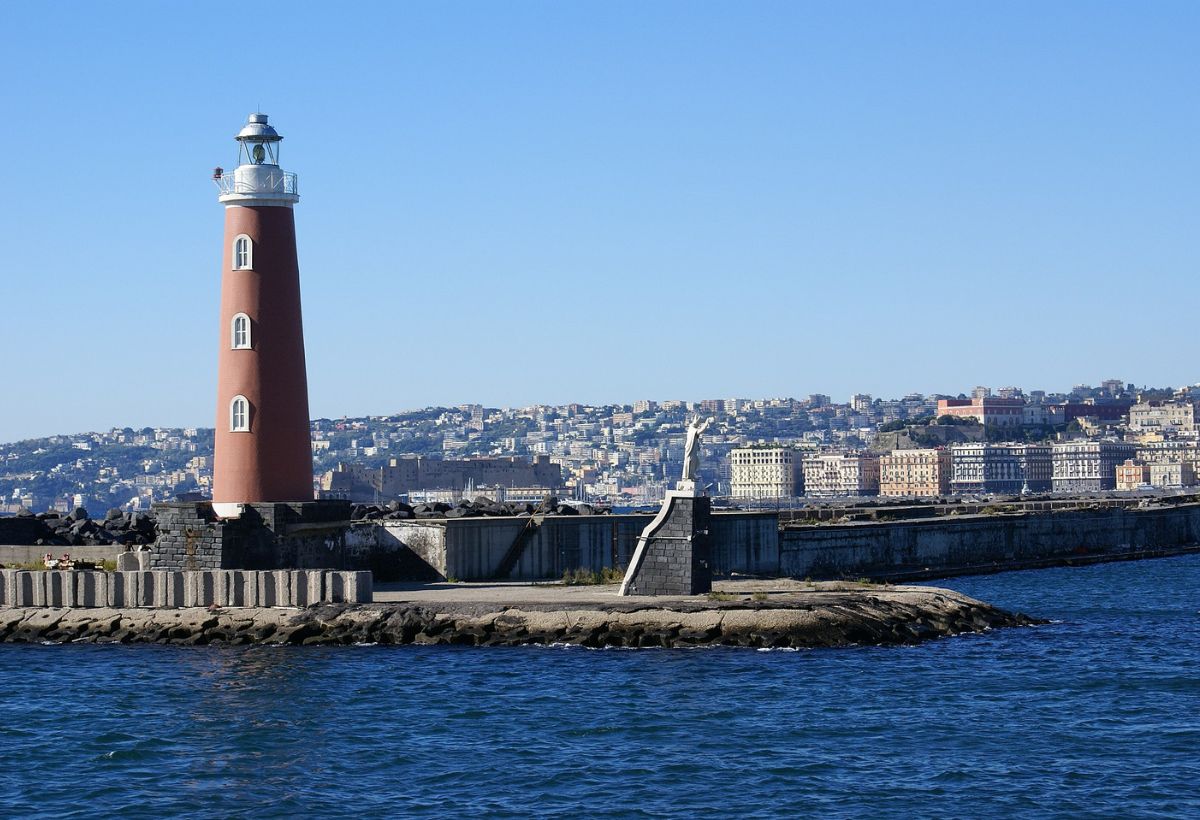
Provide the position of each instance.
(672, 553)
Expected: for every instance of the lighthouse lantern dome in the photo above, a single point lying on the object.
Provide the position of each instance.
(258, 142)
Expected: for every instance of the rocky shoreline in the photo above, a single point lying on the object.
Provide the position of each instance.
(820, 618)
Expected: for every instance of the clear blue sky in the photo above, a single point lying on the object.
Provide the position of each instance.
(511, 203)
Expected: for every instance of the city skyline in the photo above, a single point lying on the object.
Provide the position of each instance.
(690, 401)
(1001, 440)
(529, 204)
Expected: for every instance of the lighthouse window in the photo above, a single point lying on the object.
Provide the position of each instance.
(239, 415)
(243, 253)
(241, 332)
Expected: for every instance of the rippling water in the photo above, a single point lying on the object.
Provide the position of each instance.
(1097, 714)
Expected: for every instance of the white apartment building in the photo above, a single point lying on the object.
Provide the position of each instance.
(1087, 466)
(764, 472)
(1161, 417)
(982, 467)
(1172, 475)
(841, 474)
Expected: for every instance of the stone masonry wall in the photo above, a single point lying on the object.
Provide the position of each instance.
(269, 536)
(190, 537)
(675, 554)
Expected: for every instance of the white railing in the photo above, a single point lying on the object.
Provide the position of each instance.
(261, 181)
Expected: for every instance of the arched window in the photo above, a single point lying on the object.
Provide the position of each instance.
(239, 415)
(243, 252)
(240, 332)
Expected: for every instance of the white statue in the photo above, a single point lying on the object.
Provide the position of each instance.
(691, 448)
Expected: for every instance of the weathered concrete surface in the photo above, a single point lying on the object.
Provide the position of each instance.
(752, 544)
(33, 554)
(958, 545)
(782, 614)
(166, 589)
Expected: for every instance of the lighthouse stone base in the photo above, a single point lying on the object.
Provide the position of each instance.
(293, 535)
(672, 553)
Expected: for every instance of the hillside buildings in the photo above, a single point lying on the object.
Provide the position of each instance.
(401, 477)
(987, 410)
(628, 454)
(1162, 417)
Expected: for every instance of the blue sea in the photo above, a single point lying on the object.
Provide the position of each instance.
(1094, 715)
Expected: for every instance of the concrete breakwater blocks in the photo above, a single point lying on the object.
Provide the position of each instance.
(165, 589)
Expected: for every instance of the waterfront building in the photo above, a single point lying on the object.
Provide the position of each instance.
(831, 475)
(1088, 466)
(915, 473)
(985, 409)
(1132, 475)
(1173, 450)
(1172, 475)
(1000, 468)
(765, 472)
(261, 449)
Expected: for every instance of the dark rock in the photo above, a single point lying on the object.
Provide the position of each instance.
(78, 514)
(25, 512)
(114, 514)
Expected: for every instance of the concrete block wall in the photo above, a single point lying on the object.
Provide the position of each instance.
(267, 536)
(472, 548)
(165, 589)
(673, 556)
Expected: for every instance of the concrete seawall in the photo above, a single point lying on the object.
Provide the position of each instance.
(965, 544)
(754, 544)
(741, 543)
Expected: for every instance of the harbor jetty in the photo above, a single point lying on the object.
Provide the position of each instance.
(759, 614)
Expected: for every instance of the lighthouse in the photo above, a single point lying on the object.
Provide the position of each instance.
(262, 451)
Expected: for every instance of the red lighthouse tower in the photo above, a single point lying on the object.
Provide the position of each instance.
(262, 451)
